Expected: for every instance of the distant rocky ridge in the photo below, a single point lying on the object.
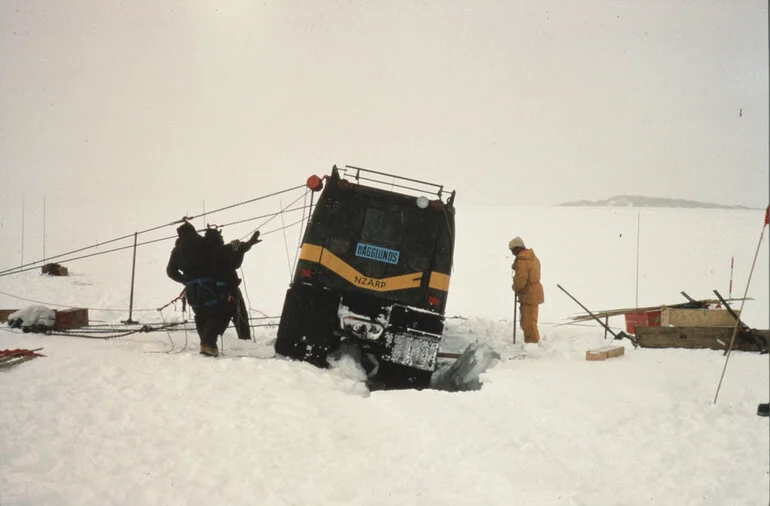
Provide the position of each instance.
(640, 201)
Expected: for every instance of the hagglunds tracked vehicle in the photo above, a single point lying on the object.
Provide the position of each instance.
(372, 276)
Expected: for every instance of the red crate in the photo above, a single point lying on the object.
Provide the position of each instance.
(642, 319)
(71, 318)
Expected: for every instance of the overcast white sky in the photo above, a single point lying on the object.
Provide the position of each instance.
(511, 102)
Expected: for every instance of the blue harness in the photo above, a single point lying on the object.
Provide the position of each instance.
(203, 292)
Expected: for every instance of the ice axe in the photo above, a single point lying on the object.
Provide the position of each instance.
(515, 305)
(616, 335)
(515, 302)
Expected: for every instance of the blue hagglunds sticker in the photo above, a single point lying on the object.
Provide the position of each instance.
(378, 253)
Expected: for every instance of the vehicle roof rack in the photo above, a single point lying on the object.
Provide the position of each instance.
(420, 187)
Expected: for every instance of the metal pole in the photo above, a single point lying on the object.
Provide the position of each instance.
(43, 229)
(638, 220)
(133, 273)
(515, 306)
(618, 335)
(22, 230)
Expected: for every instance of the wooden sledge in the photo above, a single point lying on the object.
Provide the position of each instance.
(714, 338)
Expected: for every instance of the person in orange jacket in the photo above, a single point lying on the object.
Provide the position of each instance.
(526, 284)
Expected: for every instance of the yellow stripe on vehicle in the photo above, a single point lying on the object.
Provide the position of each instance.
(317, 254)
(311, 253)
(439, 281)
(352, 276)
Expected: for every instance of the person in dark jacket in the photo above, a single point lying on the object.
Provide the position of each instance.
(193, 262)
(228, 260)
(240, 311)
(187, 258)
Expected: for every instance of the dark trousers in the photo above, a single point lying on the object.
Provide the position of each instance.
(211, 322)
(213, 310)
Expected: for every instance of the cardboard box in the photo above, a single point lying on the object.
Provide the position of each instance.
(5, 313)
(671, 317)
(71, 318)
(53, 269)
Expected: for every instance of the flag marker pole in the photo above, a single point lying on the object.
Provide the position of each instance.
(745, 294)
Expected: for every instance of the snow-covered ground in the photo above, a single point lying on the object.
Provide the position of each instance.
(144, 419)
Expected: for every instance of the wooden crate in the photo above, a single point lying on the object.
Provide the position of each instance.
(605, 352)
(672, 317)
(71, 318)
(5, 313)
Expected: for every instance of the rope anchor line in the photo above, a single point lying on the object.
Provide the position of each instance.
(106, 332)
(65, 257)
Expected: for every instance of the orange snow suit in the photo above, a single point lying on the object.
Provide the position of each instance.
(526, 284)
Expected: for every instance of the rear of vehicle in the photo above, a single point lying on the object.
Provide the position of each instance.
(373, 273)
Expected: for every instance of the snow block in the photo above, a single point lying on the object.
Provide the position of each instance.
(605, 352)
(464, 373)
(71, 318)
